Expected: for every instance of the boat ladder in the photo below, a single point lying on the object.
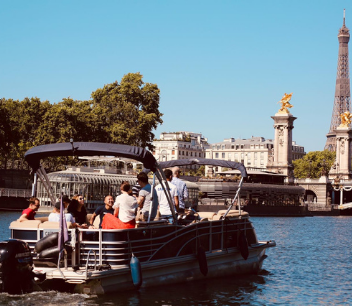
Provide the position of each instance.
(87, 262)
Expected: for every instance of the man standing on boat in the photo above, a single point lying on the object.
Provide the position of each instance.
(164, 206)
(145, 198)
(29, 213)
(181, 188)
(101, 211)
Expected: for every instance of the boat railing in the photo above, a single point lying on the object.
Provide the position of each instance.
(160, 241)
(63, 251)
(115, 247)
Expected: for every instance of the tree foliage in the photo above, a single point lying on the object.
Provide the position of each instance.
(124, 113)
(314, 164)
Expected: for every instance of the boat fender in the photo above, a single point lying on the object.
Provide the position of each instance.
(136, 271)
(52, 252)
(202, 260)
(243, 245)
(46, 242)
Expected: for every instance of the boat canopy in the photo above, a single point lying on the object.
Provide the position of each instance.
(205, 161)
(34, 155)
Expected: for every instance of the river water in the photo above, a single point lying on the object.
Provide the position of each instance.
(311, 265)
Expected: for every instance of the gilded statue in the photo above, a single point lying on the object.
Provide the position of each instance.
(285, 103)
(345, 119)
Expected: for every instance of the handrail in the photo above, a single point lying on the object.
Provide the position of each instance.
(95, 261)
(234, 200)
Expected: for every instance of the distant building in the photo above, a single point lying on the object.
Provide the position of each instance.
(254, 153)
(179, 145)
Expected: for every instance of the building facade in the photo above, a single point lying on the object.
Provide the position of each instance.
(254, 153)
(179, 145)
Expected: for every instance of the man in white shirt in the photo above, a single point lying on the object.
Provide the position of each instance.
(125, 207)
(164, 206)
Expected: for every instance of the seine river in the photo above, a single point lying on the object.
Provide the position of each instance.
(311, 265)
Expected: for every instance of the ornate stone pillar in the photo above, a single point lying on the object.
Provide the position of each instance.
(342, 166)
(282, 161)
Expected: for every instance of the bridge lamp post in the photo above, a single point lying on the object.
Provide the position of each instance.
(310, 169)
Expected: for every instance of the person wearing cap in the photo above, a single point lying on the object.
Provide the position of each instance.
(55, 215)
(66, 200)
(136, 189)
(29, 213)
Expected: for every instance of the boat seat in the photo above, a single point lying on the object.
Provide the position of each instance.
(25, 224)
(54, 225)
(206, 214)
(42, 219)
(232, 213)
(96, 221)
(151, 223)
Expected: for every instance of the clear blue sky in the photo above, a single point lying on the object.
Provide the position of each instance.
(221, 66)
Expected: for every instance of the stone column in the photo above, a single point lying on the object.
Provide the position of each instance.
(282, 161)
(342, 165)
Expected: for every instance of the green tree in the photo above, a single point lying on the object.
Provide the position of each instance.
(122, 113)
(201, 171)
(8, 131)
(314, 164)
(127, 112)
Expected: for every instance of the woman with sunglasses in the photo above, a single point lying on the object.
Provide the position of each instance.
(78, 210)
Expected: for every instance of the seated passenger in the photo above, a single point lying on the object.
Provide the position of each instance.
(29, 213)
(55, 215)
(144, 199)
(103, 210)
(78, 210)
(164, 207)
(66, 200)
(125, 208)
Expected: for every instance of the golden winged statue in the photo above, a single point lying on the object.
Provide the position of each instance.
(345, 119)
(285, 103)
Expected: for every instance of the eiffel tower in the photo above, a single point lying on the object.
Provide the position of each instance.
(342, 101)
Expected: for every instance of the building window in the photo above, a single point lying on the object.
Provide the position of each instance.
(173, 152)
(216, 155)
(223, 155)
